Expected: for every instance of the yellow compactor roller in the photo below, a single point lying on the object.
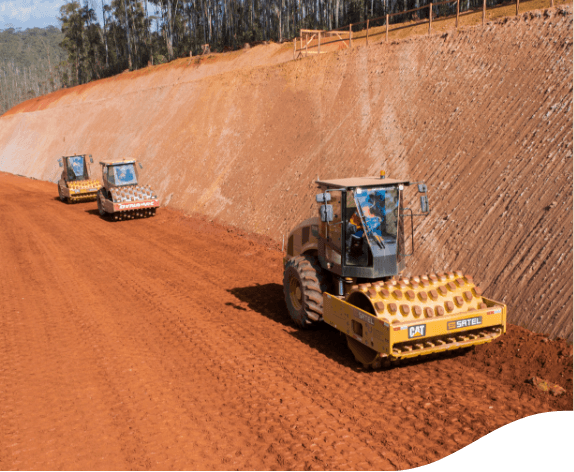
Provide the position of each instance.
(75, 184)
(344, 267)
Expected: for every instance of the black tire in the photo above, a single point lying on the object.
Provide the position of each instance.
(61, 195)
(100, 198)
(303, 287)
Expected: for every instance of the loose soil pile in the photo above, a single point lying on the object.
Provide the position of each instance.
(164, 343)
(483, 115)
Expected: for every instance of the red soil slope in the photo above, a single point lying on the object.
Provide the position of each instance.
(484, 116)
(165, 344)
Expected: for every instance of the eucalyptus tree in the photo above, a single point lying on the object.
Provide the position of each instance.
(72, 27)
(136, 32)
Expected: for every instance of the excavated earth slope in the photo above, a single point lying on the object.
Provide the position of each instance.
(483, 115)
(165, 344)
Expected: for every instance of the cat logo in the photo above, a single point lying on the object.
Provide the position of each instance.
(417, 331)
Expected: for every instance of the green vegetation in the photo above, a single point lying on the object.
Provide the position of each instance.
(32, 63)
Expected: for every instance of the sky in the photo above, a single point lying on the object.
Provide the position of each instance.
(40, 13)
(29, 13)
(36, 13)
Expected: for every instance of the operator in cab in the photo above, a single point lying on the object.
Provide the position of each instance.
(355, 233)
(373, 217)
(76, 168)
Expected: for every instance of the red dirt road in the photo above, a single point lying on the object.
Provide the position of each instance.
(165, 344)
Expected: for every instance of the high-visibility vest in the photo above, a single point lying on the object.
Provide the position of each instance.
(356, 220)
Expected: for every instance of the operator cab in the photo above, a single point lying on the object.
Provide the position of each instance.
(361, 233)
(120, 173)
(75, 168)
(370, 216)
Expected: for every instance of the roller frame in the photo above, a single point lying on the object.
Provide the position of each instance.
(83, 192)
(111, 207)
(384, 337)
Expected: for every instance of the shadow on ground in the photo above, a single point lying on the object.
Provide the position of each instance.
(96, 212)
(268, 300)
(109, 218)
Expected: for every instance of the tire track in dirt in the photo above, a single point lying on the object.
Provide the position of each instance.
(164, 343)
(212, 353)
(70, 338)
(322, 377)
(120, 282)
(117, 284)
(234, 328)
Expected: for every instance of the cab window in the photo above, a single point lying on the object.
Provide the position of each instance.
(111, 178)
(335, 230)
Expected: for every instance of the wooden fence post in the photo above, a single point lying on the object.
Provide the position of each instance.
(350, 36)
(387, 32)
(306, 42)
(457, 11)
(483, 11)
(294, 47)
(368, 31)
(430, 17)
(517, 3)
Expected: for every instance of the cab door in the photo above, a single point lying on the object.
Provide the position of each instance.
(400, 224)
(331, 234)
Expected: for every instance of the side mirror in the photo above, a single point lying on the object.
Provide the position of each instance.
(326, 212)
(424, 204)
(140, 164)
(91, 160)
(323, 197)
(60, 163)
(422, 188)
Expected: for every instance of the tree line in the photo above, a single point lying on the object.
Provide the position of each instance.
(135, 33)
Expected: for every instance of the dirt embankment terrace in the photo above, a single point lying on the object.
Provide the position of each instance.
(482, 115)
